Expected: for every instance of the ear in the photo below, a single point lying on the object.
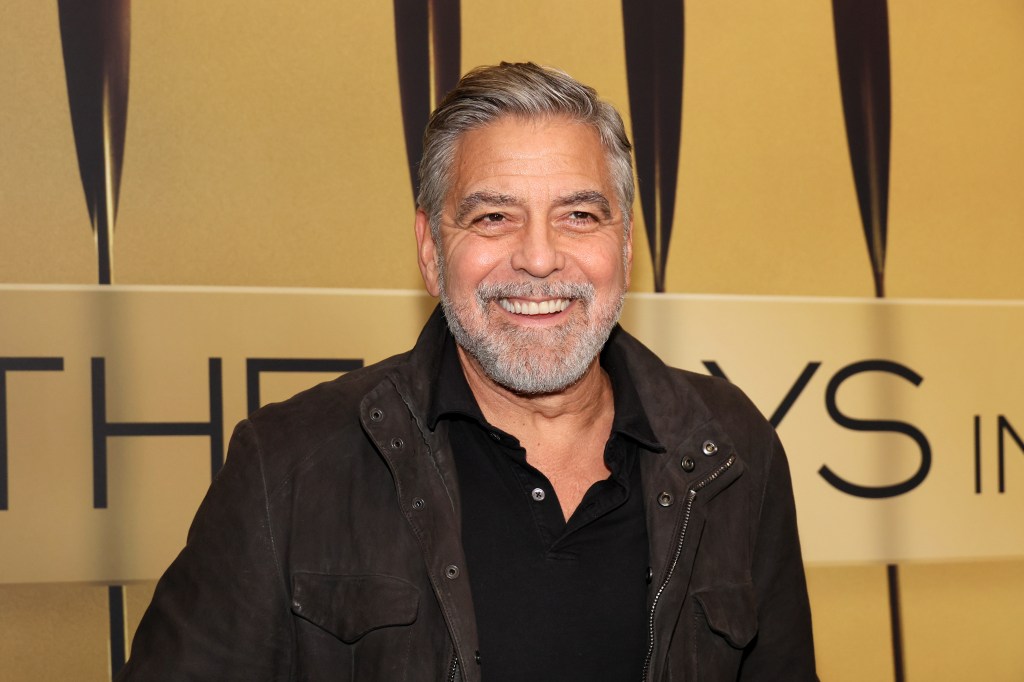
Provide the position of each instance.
(426, 252)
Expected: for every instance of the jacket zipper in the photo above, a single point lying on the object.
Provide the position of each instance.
(690, 497)
(453, 668)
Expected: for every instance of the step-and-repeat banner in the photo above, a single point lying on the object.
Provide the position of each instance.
(902, 419)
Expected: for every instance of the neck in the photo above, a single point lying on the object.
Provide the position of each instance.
(577, 408)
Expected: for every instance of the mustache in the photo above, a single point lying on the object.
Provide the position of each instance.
(582, 291)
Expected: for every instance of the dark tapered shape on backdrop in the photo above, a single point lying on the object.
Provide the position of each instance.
(95, 35)
(428, 42)
(862, 47)
(654, 33)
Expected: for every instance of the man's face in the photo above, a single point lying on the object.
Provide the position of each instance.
(534, 261)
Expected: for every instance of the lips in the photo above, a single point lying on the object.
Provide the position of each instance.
(545, 307)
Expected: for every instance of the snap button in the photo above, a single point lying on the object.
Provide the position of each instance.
(538, 494)
(665, 499)
(418, 503)
(397, 443)
(687, 463)
(451, 572)
(709, 447)
(376, 414)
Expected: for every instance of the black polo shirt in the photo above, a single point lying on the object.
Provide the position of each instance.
(554, 599)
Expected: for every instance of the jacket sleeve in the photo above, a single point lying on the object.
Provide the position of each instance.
(784, 647)
(221, 611)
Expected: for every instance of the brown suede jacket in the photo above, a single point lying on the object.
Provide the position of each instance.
(328, 547)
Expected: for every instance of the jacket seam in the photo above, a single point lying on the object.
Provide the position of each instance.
(421, 430)
(772, 440)
(270, 533)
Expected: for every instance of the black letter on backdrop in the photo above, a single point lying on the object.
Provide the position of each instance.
(876, 425)
(17, 365)
(255, 366)
(102, 429)
(787, 402)
(977, 454)
(1004, 427)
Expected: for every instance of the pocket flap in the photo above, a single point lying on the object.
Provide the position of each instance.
(349, 606)
(731, 612)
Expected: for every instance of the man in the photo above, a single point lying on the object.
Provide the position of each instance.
(527, 494)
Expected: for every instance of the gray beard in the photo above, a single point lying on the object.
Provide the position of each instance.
(526, 361)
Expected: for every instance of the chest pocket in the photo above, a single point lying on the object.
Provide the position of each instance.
(725, 622)
(350, 606)
(731, 612)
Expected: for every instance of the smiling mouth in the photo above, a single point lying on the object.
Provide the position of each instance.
(546, 307)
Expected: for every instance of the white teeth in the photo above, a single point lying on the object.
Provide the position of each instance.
(555, 305)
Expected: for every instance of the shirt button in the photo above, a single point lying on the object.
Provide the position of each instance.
(538, 494)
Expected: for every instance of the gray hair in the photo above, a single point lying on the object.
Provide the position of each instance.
(488, 93)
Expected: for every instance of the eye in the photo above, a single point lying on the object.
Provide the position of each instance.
(581, 219)
(494, 223)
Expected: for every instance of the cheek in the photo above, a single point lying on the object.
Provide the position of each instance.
(603, 265)
(469, 261)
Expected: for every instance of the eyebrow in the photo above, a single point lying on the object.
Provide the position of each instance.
(587, 197)
(473, 201)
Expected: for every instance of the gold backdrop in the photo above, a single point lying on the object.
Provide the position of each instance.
(264, 147)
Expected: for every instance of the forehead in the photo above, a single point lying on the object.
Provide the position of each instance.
(516, 153)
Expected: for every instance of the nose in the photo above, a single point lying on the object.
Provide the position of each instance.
(537, 251)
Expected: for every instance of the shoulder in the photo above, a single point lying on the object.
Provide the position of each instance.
(319, 421)
(723, 399)
(682, 400)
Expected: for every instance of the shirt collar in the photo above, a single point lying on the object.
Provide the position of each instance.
(452, 397)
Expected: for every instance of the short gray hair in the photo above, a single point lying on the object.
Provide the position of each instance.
(489, 93)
